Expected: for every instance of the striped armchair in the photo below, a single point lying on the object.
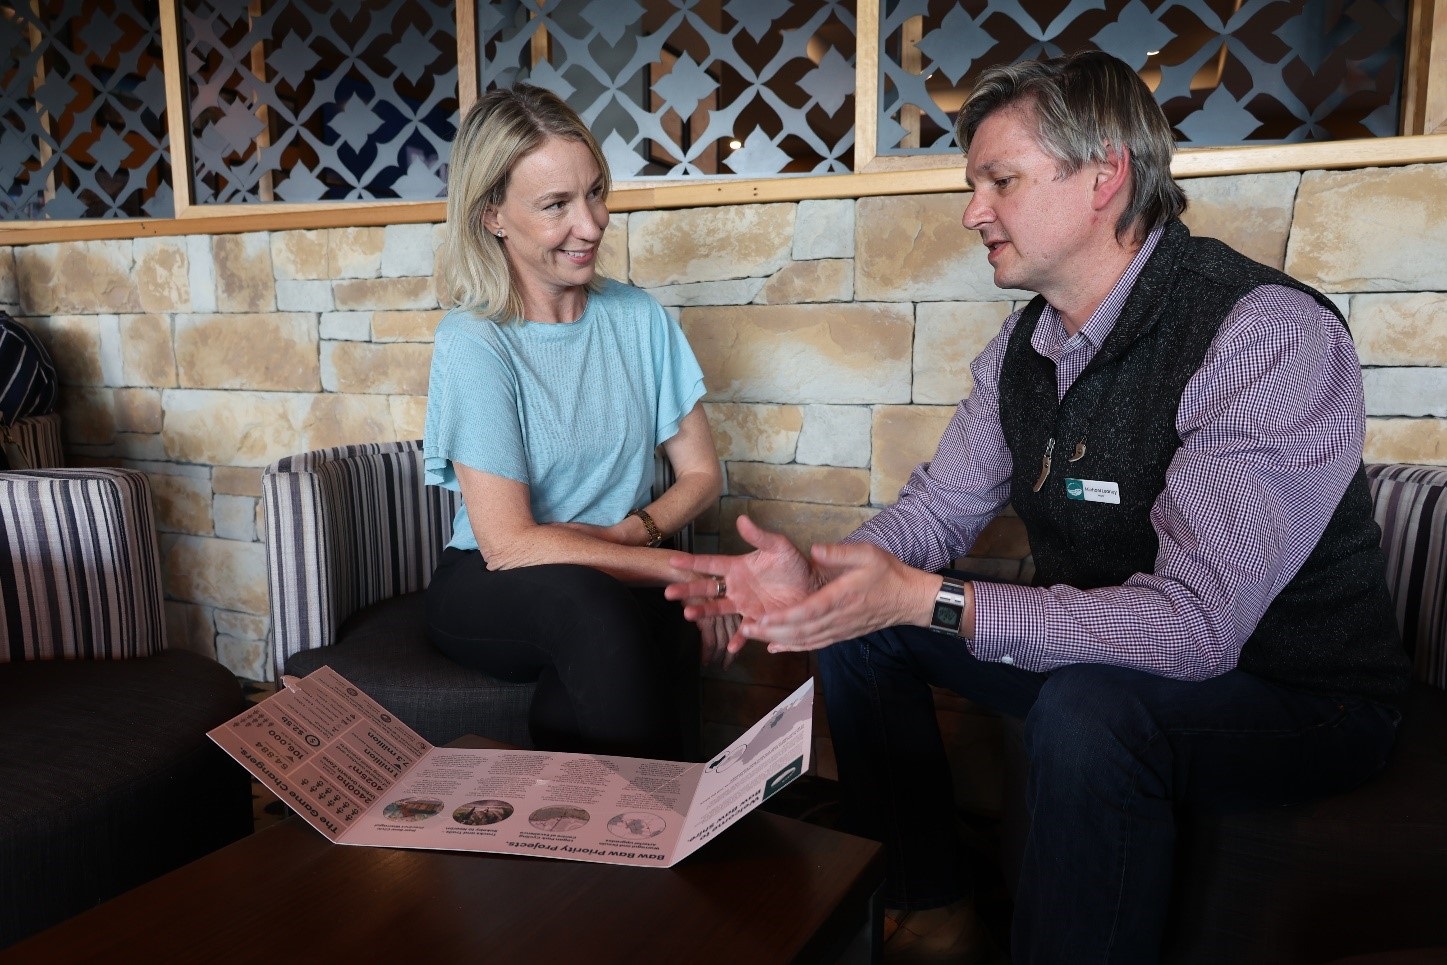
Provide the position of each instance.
(107, 778)
(1360, 872)
(353, 535)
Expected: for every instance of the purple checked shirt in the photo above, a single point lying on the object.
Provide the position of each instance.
(1271, 430)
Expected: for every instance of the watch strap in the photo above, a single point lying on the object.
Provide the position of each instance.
(949, 610)
(655, 535)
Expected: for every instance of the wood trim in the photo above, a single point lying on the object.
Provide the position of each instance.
(1424, 91)
(866, 84)
(469, 61)
(177, 112)
(933, 177)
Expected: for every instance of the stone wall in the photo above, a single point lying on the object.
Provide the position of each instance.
(835, 337)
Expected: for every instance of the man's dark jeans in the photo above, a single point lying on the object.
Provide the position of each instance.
(1112, 751)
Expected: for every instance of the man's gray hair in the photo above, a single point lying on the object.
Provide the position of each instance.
(1086, 106)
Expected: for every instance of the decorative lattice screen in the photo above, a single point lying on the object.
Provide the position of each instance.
(688, 88)
(1224, 71)
(82, 111)
(311, 100)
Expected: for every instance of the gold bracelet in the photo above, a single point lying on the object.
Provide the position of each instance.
(655, 535)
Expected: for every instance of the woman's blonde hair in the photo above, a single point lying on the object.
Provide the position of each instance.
(502, 128)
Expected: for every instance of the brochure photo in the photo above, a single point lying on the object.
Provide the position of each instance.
(360, 776)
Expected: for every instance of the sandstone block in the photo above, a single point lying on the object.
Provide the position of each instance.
(300, 255)
(904, 437)
(254, 429)
(247, 658)
(77, 277)
(737, 291)
(265, 351)
(759, 433)
(803, 484)
(241, 647)
(111, 367)
(147, 354)
(829, 280)
(803, 353)
(244, 281)
(803, 523)
(138, 445)
(250, 626)
(1372, 230)
(163, 274)
(613, 252)
(183, 500)
(1407, 440)
(947, 338)
(683, 246)
(340, 420)
(398, 368)
(189, 627)
(1401, 329)
(346, 326)
(223, 573)
(1250, 212)
(405, 326)
(913, 248)
(304, 296)
(409, 414)
(410, 249)
(355, 252)
(201, 269)
(236, 480)
(9, 289)
(138, 410)
(74, 344)
(824, 229)
(835, 435)
(234, 517)
(1406, 392)
(383, 293)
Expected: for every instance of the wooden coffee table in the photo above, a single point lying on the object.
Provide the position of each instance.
(768, 889)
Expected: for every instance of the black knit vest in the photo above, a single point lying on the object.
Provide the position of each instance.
(1332, 629)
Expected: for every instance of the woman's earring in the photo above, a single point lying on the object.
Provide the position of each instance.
(499, 233)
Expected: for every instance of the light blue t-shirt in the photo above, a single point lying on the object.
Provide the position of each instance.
(572, 410)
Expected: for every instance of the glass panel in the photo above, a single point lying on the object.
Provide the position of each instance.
(1225, 71)
(303, 100)
(688, 88)
(82, 111)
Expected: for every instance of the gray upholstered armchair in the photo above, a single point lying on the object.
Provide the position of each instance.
(353, 535)
(107, 778)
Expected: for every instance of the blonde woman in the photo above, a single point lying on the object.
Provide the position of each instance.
(551, 387)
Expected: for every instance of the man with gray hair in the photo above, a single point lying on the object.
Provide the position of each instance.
(1180, 430)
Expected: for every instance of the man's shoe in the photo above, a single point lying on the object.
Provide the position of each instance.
(953, 934)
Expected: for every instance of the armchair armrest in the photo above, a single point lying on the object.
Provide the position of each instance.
(345, 528)
(80, 574)
(1410, 504)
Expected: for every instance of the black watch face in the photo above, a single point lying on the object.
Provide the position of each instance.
(946, 616)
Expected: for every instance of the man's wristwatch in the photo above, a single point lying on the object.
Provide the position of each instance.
(655, 535)
(949, 610)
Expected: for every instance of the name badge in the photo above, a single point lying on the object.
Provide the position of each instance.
(1092, 490)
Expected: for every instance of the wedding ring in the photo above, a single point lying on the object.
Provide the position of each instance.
(721, 589)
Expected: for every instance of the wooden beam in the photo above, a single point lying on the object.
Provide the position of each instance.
(178, 119)
(469, 58)
(866, 83)
(1424, 89)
